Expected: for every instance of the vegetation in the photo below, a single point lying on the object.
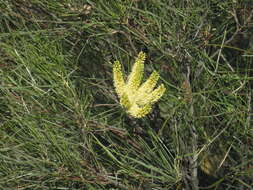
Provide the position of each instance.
(61, 123)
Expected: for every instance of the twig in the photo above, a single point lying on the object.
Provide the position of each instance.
(249, 108)
(193, 168)
(239, 28)
(218, 59)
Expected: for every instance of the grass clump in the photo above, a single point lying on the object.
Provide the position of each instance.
(61, 125)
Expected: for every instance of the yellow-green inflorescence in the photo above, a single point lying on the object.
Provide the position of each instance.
(137, 99)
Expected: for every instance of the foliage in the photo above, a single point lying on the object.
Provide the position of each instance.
(61, 126)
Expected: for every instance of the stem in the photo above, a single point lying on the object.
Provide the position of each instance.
(193, 160)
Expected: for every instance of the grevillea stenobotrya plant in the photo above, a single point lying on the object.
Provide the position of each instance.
(135, 97)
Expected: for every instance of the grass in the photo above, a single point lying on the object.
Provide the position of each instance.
(61, 126)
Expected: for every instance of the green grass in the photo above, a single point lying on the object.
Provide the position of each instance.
(61, 126)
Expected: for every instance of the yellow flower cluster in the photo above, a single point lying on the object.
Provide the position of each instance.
(137, 99)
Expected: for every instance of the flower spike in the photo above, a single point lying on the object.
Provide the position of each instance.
(137, 99)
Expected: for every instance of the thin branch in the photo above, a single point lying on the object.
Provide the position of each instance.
(239, 28)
